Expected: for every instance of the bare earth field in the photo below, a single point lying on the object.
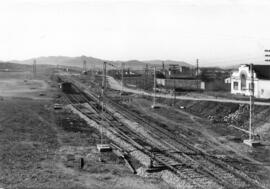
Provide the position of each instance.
(41, 147)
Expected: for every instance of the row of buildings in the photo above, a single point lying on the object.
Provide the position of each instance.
(183, 78)
(234, 81)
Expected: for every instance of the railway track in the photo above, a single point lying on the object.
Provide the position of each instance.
(185, 172)
(190, 163)
(200, 161)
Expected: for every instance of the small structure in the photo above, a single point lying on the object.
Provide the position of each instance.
(241, 81)
(228, 80)
(66, 87)
(252, 143)
(179, 77)
(104, 147)
(57, 106)
(181, 83)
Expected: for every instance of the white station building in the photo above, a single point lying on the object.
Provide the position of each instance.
(241, 81)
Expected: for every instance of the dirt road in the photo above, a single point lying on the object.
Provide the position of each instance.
(117, 86)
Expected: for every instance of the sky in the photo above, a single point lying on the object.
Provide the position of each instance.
(219, 32)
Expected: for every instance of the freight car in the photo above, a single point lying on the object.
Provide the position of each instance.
(66, 87)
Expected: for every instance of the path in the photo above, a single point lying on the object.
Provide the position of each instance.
(117, 86)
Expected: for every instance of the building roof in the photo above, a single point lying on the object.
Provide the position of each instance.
(262, 71)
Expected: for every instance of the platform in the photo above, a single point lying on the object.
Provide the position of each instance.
(104, 147)
(252, 143)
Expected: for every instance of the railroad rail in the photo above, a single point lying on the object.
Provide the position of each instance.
(199, 160)
(195, 166)
(185, 172)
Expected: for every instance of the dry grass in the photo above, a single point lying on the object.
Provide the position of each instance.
(34, 144)
(28, 147)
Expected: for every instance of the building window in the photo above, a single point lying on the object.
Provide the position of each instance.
(235, 85)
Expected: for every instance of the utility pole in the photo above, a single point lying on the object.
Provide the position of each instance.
(251, 101)
(163, 67)
(147, 73)
(102, 97)
(197, 73)
(104, 75)
(34, 68)
(93, 68)
(122, 73)
(84, 66)
(91, 71)
(155, 86)
(174, 91)
(102, 146)
(145, 79)
(250, 141)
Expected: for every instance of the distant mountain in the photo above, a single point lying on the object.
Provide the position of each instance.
(167, 62)
(62, 60)
(96, 62)
(14, 67)
(135, 64)
(231, 67)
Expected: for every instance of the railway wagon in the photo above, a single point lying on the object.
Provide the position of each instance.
(185, 84)
(66, 87)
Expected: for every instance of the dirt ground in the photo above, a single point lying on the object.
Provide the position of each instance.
(42, 148)
(24, 85)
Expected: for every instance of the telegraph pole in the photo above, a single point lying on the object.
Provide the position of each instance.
(163, 67)
(102, 146)
(34, 68)
(197, 73)
(174, 91)
(102, 97)
(84, 66)
(104, 75)
(93, 67)
(250, 141)
(122, 74)
(251, 101)
(146, 78)
(155, 86)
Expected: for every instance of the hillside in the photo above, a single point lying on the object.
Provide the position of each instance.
(167, 62)
(96, 62)
(62, 60)
(9, 66)
(135, 64)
